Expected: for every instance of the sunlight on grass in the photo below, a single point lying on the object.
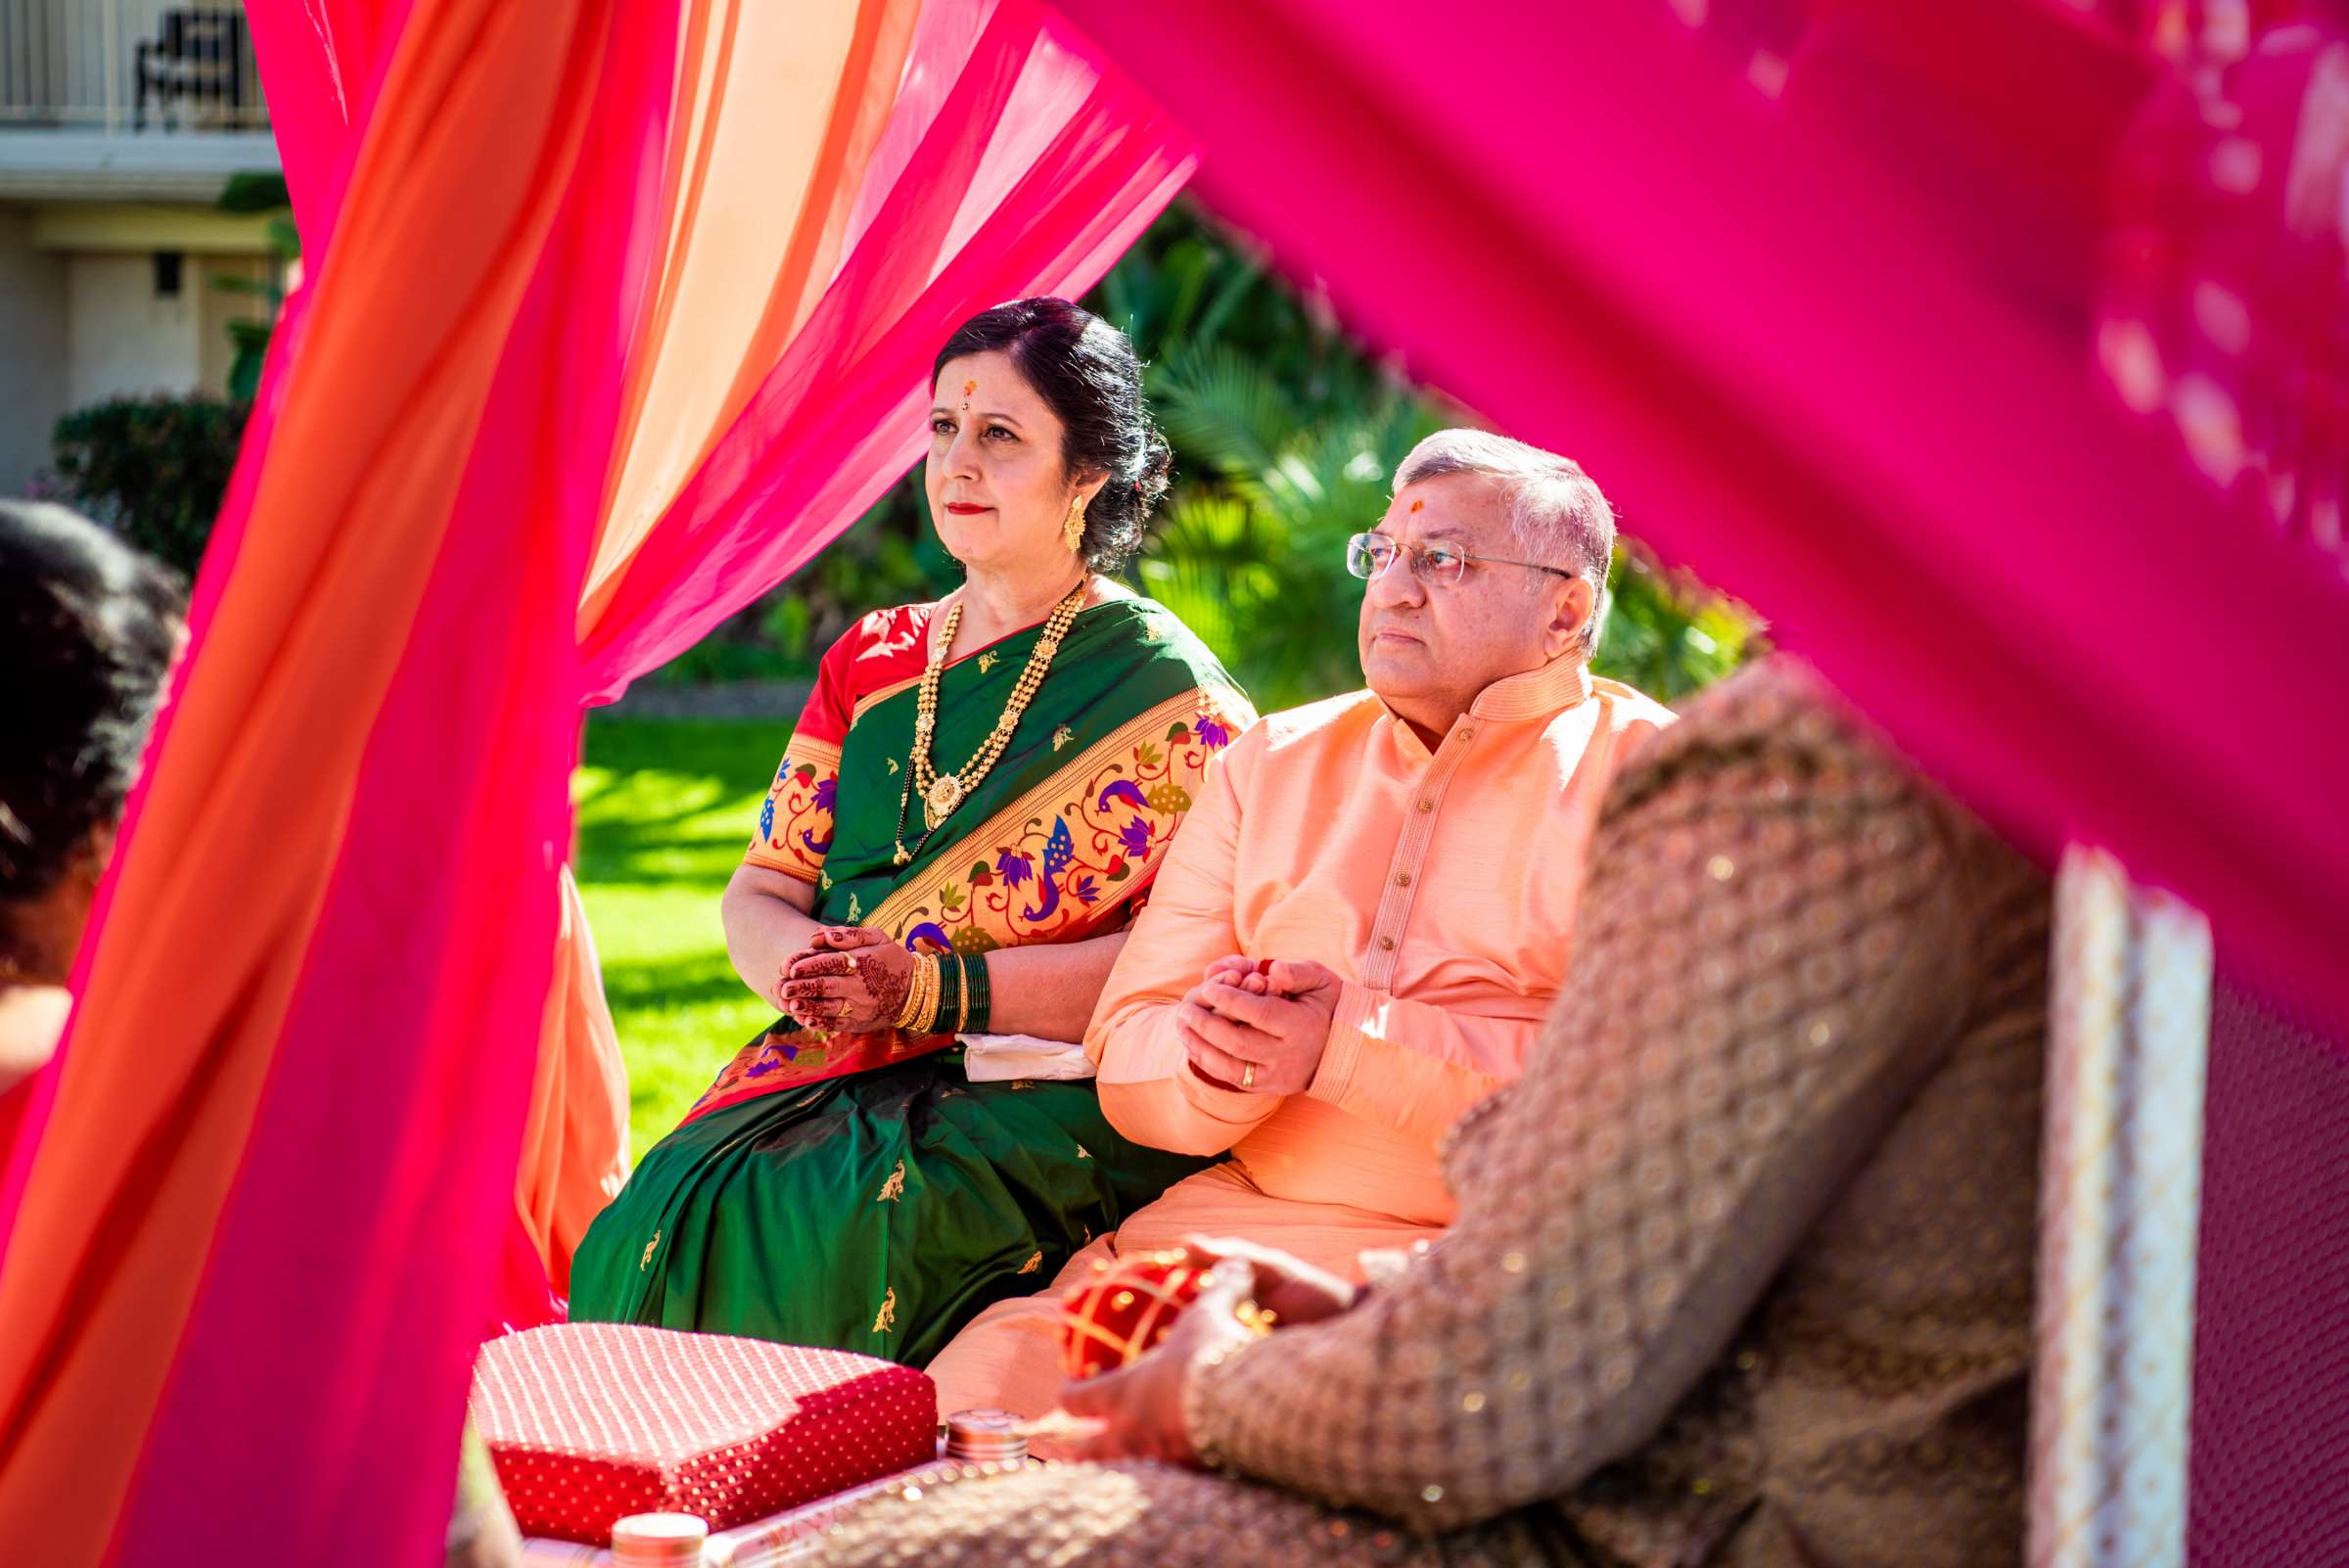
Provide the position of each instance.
(665, 810)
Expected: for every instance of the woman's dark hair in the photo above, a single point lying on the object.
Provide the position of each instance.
(1086, 371)
(88, 628)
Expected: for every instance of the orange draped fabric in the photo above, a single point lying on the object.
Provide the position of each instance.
(247, 821)
(617, 314)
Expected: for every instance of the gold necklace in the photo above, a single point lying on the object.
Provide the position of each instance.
(944, 793)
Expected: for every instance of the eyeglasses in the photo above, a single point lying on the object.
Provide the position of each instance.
(1438, 566)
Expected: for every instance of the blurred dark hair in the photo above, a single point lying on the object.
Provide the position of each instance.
(88, 628)
(1086, 371)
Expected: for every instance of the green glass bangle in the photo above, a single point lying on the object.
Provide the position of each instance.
(982, 994)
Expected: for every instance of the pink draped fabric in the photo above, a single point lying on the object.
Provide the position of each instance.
(1011, 163)
(357, 1245)
(1791, 381)
(2226, 306)
(973, 210)
(321, 64)
(283, 1217)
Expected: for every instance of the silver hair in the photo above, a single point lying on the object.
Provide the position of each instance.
(1557, 510)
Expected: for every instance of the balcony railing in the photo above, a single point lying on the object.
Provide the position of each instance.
(147, 68)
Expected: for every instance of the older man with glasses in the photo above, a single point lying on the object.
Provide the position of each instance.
(1360, 927)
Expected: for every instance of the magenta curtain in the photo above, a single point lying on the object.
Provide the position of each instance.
(1999, 354)
(1829, 374)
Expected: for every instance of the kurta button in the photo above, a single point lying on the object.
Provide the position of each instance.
(1403, 879)
(1467, 732)
(1427, 806)
(1387, 943)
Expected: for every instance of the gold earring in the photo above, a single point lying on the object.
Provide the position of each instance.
(1072, 533)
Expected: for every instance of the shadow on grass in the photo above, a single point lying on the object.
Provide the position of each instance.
(672, 985)
(671, 804)
(659, 855)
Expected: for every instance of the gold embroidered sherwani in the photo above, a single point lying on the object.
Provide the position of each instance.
(1741, 1270)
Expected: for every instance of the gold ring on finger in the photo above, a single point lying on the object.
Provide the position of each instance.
(1248, 1076)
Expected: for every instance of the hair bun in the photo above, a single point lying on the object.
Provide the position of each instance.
(1157, 470)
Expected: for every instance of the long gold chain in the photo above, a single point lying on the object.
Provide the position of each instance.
(943, 793)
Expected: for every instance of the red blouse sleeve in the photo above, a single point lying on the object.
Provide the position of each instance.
(795, 821)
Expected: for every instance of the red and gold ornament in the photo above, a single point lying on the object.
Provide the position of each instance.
(1126, 1307)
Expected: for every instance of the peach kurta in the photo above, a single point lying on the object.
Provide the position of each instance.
(1440, 886)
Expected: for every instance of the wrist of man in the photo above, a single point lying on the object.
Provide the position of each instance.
(1342, 1046)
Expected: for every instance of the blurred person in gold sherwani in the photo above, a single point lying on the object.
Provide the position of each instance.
(1741, 1273)
(1370, 909)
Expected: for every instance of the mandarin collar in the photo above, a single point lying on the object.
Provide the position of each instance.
(1545, 693)
(1535, 694)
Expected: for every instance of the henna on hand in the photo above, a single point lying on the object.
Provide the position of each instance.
(846, 938)
(854, 990)
(887, 985)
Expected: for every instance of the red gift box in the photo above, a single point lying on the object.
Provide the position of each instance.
(591, 1422)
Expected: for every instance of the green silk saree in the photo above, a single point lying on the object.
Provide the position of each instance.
(859, 1191)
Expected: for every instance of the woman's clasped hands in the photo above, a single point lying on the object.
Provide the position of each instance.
(851, 980)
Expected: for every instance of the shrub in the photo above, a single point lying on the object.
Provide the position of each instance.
(153, 469)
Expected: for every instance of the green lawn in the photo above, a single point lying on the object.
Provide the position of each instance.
(665, 807)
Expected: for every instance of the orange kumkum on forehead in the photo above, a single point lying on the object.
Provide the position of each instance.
(1416, 505)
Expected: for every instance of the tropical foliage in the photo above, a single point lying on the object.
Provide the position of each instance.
(263, 194)
(1286, 440)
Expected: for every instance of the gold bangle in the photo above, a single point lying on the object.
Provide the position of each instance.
(962, 993)
(912, 1009)
(934, 992)
(925, 1016)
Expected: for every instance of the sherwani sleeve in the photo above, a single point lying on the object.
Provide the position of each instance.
(1148, 1090)
(1769, 961)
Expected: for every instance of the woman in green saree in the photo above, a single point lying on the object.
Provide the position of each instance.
(966, 821)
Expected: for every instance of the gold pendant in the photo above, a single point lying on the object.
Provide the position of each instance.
(946, 793)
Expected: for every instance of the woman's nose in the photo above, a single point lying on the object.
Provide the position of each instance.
(962, 455)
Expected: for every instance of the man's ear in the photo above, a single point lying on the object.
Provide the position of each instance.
(1575, 608)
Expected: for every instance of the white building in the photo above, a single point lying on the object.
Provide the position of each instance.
(120, 120)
